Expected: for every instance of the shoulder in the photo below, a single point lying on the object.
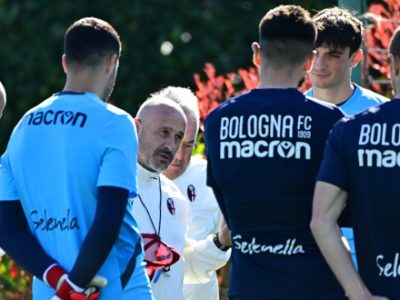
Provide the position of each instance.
(319, 103)
(45, 103)
(119, 114)
(367, 94)
(36, 110)
(197, 162)
(119, 120)
(195, 171)
(116, 111)
(324, 107)
(170, 188)
(366, 116)
(228, 105)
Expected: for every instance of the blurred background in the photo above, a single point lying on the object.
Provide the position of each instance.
(164, 43)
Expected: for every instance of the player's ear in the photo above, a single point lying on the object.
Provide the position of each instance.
(138, 123)
(256, 54)
(64, 63)
(356, 57)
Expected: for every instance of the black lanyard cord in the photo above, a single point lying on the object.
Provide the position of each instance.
(148, 213)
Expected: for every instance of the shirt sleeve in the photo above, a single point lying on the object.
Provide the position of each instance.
(8, 189)
(202, 259)
(118, 167)
(333, 166)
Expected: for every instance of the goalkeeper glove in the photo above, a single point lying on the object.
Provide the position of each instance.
(57, 278)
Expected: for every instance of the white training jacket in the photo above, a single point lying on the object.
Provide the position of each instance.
(204, 220)
(200, 258)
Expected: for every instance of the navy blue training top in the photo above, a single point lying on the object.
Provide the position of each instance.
(362, 157)
(264, 149)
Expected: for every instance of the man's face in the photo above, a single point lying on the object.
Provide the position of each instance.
(184, 153)
(160, 135)
(331, 67)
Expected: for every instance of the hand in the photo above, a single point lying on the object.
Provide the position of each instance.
(91, 292)
(57, 278)
(224, 234)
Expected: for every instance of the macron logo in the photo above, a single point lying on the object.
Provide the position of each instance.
(51, 117)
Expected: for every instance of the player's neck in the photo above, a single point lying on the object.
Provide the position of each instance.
(78, 84)
(335, 95)
(279, 80)
(396, 87)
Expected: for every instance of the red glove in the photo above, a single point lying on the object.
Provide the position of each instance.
(54, 276)
(67, 292)
(57, 278)
(91, 293)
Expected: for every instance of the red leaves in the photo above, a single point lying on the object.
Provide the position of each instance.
(215, 89)
(383, 20)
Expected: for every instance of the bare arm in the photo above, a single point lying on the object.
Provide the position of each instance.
(224, 234)
(329, 201)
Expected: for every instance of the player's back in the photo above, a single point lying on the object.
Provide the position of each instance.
(55, 152)
(370, 143)
(59, 153)
(264, 148)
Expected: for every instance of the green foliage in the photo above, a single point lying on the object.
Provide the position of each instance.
(32, 32)
(14, 282)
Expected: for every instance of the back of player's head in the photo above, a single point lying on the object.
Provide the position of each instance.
(185, 98)
(286, 35)
(338, 28)
(89, 41)
(394, 47)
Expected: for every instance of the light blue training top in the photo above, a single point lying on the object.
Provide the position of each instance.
(57, 156)
(360, 100)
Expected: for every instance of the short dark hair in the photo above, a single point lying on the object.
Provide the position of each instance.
(394, 47)
(89, 40)
(338, 28)
(287, 35)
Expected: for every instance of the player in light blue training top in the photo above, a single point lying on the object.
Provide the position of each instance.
(360, 100)
(337, 53)
(66, 174)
